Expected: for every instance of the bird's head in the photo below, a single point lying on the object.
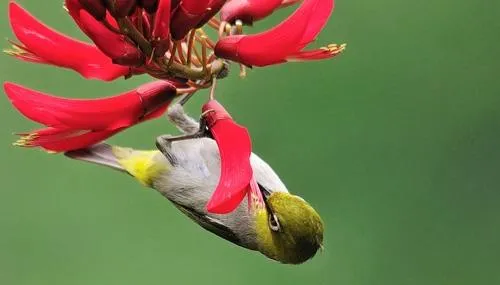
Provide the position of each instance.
(288, 230)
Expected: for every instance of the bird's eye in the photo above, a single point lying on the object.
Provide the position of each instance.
(274, 223)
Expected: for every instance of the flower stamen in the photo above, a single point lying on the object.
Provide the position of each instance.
(190, 47)
(180, 52)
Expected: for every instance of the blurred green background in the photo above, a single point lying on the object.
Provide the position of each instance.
(396, 143)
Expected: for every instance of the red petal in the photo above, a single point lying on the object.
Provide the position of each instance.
(319, 17)
(187, 16)
(113, 45)
(235, 148)
(110, 113)
(161, 28)
(57, 49)
(63, 139)
(275, 45)
(57, 142)
(214, 7)
(248, 10)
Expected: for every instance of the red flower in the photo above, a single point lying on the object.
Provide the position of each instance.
(77, 123)
(165, 39)
(43, 45)
(285, 41)
(160, 37)
(235, 148)
(115, 45)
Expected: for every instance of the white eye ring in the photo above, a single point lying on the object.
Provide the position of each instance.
(274, 223)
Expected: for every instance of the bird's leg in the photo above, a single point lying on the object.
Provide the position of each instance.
(181, 120)
(186, 124)
(164, 144)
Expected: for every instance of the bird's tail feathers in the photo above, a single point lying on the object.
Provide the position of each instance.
(144, 165)
(101, 154)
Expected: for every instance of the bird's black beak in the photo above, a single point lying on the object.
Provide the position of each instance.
(265, 194)
(264, 191)
(274, 223)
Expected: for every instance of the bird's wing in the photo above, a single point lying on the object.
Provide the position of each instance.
(211, 224)
(265, 175)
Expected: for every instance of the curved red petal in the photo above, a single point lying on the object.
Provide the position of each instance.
(194, 7)
(321, 12)
(187, 16)
(64, 139)
(273, 46)
(213, 8)
(235, 148)
(161, 28)
(109, 113)
(61, 140)
(110, 43)
(57, 49)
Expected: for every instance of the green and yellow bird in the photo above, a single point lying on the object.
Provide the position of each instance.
(186, 172)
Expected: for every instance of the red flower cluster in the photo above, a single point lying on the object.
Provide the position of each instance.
(166, 40)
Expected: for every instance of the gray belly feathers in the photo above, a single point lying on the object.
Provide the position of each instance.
(190, 183)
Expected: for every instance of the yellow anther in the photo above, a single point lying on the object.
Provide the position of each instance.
(227, 29)
(243, 71)
(239, 27)
(14, 50)
(26, 140)
(334, 48)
